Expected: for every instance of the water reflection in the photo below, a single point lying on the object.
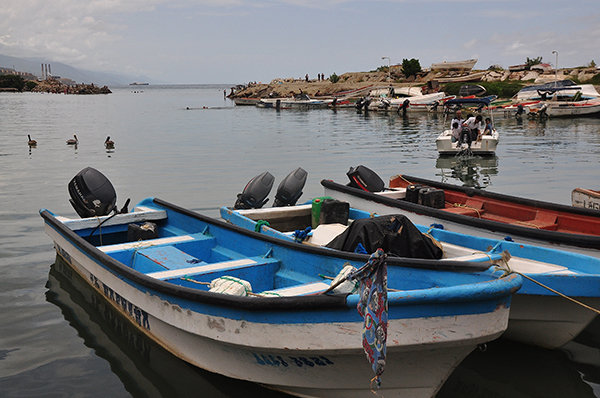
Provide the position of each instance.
(507, 369)
(144, 368)
(472, 171)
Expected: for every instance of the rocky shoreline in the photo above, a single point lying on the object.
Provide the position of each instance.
(55, 87)
(357, 80)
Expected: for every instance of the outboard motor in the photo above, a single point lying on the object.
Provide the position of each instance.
(384, 104)
(404, 107)
(520, 110)
(364, 178)
(290, 189)
(255, 193)
(92, 194)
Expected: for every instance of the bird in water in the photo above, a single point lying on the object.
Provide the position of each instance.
(73, 141)
(108, 143)
(31, 142)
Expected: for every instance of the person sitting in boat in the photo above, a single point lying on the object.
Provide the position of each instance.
(488, 127)
(458, 119)
(456, 128)
(475, 125)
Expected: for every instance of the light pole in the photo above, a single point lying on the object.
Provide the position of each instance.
(389, 68)
(556, 68)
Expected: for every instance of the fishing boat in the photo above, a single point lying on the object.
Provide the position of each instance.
(468, 77)
(454, 65)
(586, 198)
(538, 316)
(561, 89)
(254, 307)
(299, 101)
(421, 103)
(244, 101)
(480, 212)
(487, 143)
(587, 107)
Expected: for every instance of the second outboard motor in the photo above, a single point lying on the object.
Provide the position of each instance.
(404, 107)
(255, 193)
(92, 194)
(364, 178)
(520, 110)
(290, 189)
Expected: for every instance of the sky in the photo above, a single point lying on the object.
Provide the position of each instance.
(238, 41)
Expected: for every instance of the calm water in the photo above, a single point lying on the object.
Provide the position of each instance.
(188, 145)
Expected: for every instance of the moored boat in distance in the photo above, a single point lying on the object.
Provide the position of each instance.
(253, 307)
(586, 198)
(485, 144)
(138, 84)
(454, 65)
(588, 107)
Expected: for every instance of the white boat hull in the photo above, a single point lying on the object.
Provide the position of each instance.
(486, 146)
(323, 360)
(539, 320)
(548, 321)
(569, 108)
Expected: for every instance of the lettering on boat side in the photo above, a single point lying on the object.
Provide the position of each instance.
(271, 360)
(592, 205)
(63, 253)
(139, 315)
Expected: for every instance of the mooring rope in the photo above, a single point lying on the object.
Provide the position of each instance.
(509, 270)
(465, 207)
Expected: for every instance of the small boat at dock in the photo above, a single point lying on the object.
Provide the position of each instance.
(256, 308)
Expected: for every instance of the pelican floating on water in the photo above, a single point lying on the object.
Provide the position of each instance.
(108, 143)
(73, 141)
(31, 142)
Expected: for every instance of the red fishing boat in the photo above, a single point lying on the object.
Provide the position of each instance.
(475, 211)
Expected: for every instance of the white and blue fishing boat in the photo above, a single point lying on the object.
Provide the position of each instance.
(254, 307)
(541, 314)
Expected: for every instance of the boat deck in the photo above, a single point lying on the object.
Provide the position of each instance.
(458, 202)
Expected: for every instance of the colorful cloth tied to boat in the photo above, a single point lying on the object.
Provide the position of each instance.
(373, 307)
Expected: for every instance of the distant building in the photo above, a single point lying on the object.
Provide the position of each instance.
(65, 80)
(24, 75)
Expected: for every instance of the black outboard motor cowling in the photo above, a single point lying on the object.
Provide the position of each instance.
(255, 193)
(364, 178)
(92, 194)
(290, 189)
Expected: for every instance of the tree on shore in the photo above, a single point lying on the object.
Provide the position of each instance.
(410, 67)
(12, 81)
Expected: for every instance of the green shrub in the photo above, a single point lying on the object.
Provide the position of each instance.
(410, 67)
(12, 81)
(334, 78)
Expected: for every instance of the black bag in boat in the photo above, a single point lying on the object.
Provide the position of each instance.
(395, 234)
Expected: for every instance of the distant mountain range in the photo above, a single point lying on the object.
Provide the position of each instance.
(34, 66)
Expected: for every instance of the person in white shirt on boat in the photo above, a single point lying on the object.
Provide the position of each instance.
(458, 119)
(475, 124)
(456, 129)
